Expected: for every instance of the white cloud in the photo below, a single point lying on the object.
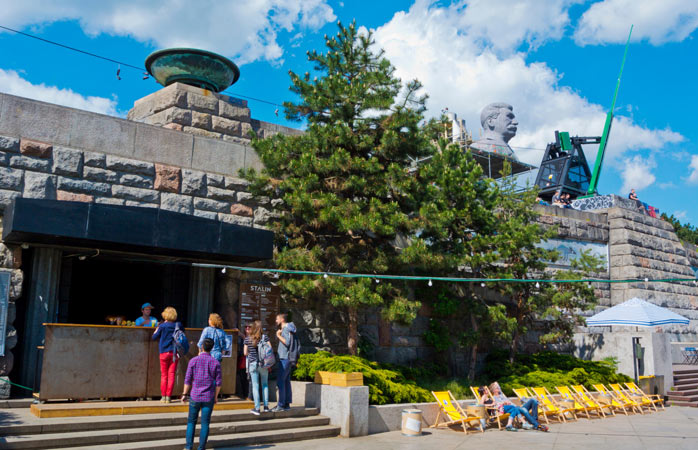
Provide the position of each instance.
(244, 30)
(657, 21)
(680, 214)
(637, 173)
(464, 73)
(693, 176)
(12, 83)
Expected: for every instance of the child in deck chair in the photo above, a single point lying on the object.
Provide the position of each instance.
(529, 409)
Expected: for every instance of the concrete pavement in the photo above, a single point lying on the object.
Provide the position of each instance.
(675, 428)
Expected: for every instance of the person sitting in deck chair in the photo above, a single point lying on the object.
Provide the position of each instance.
(529, 410)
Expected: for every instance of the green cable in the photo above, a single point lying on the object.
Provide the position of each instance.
(451, 279)
(15, 384)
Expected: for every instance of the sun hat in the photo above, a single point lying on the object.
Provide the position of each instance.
(147, 305)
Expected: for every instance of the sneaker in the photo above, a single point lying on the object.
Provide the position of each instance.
(255, 411)
(287, 408)
(542, 427)
(266, 409)
(527, 426)
(511, 428)
(277, 408)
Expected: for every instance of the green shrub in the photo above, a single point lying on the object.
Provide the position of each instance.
(384, 385)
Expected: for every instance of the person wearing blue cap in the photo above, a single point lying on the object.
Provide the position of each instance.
(145, 320)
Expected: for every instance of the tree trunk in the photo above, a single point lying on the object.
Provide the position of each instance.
(353, 338)
(473, 350)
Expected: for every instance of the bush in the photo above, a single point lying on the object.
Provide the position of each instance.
(385, 385)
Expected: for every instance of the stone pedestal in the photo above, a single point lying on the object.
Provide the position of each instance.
(346, 407)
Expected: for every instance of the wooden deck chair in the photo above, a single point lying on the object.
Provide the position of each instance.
(634, 389)
(585, 397)
(524, 394)
(491, 409)
(452, 412)
(639, 401)
(614, 399)
(566, 394)
(548, 403)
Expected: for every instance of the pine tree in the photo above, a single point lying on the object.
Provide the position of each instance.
(345, 185)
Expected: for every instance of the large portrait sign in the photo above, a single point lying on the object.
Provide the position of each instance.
(569, 250)
(4, 302)
(259, 302)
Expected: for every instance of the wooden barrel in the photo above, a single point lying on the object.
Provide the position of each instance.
(476, 411)
(411, 422)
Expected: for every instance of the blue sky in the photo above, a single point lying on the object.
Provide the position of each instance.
(555, 61)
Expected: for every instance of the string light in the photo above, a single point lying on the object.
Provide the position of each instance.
(430, 283)
(537, 285)
(223, 270)
(377, 281)
(324, 275)
(482, 284)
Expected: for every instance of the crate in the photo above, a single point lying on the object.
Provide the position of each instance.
(322, 377)
(347, 379)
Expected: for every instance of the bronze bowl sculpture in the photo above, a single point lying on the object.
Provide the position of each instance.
(192, 66)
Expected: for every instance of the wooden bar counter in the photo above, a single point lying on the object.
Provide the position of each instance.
(103, 361)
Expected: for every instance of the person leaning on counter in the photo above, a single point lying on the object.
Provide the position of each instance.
(145, 320)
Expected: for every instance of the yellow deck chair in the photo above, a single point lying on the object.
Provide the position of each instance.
(452, 412)
(566, 394)
(634, 389)
(585, 397)
(493, 410)
(549, 404)
(616, 401)
(638, 400)
(524, 394)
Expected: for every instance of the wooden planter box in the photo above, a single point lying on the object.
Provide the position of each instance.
(347, 379)
(322, 377)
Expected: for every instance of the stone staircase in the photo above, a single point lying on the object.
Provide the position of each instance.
(163, 431)
(685, 391)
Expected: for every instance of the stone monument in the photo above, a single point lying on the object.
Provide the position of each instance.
(499, 125)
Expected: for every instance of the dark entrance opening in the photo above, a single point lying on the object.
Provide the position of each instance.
(95, 288)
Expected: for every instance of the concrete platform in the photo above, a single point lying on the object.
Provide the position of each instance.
(120, 408)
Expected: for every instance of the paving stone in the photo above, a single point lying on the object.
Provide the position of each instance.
(130, 165)
(102, 175)
(83, 186)
(129, 179)
(226, 126)
(221, 194)
(206, 214)
(193, 182)
(167, 178)
(201, 120)
(241, 210)
(215, 180)
(176, 202)
(9, 144)
(74, 197)
(38, 149)
(135, 194)
(202, 103)
(39, 185)
(237, 220)
(93, 159)
(67, 161)
(11, 179)
(211, 205)
(30, 163)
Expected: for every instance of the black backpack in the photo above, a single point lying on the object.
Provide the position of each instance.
(294, 349)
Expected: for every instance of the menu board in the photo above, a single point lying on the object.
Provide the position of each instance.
(259, 302)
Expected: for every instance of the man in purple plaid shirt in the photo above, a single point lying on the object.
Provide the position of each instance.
(204, 381)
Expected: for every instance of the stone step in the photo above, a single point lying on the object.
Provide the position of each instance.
(683, 398)
(683, 393)
(118, 436)
(685, 375)
(682, 403)
(685, 371)
(226, 440)
(684, 381)
(686, 387)
(75, 424)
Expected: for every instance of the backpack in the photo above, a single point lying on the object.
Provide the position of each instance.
(294, 350)
(181, 343)
(266, 354)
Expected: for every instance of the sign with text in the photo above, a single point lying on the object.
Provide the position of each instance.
(569, 250)
(4, 302)
(259, 302)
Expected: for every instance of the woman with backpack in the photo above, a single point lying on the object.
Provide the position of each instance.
(258, 373)
(168, 353)
(214, 331)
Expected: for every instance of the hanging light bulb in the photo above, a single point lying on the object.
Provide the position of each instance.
(223, 270)
(482, 284)
(377, 281)
(324, 275)
(646, 280)
(537, 285)
(430, 283)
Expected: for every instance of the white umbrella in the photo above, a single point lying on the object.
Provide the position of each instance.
(636, 313)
